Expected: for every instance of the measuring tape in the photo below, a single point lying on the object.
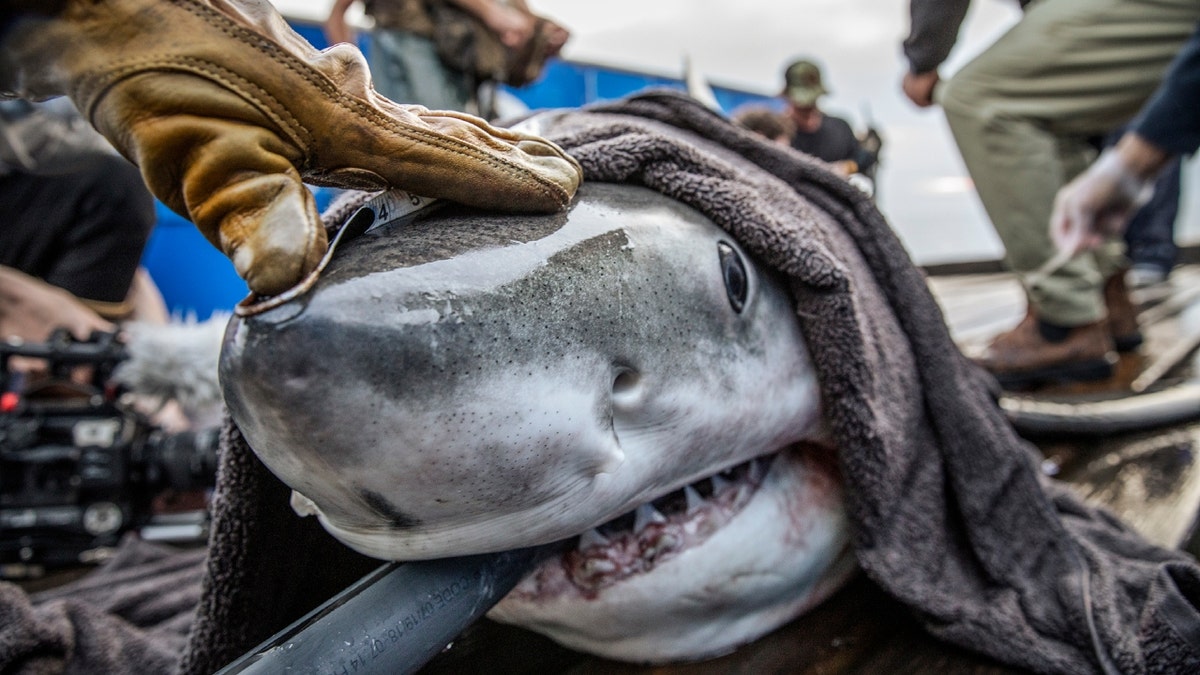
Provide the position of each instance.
(390, 206)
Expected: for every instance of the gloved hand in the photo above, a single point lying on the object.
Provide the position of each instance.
(1098, 204)
(226, 110)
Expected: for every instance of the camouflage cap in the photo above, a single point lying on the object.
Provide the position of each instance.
(802, 83)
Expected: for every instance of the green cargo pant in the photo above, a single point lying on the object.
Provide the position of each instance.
(1022, 113)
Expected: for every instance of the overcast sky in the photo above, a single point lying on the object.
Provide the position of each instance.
(746, 44)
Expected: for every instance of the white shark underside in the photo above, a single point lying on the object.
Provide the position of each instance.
(622, 374)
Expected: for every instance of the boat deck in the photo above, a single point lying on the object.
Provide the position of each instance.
(979, 306)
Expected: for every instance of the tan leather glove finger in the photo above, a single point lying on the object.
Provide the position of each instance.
(235, 178)
(225, 109)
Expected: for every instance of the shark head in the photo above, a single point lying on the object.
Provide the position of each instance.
(622, 375)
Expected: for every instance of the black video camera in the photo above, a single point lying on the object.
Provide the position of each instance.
(80, 467)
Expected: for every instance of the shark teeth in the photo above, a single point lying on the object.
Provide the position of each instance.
(657, 531)
(592, 539)
(597, 566)
(756, 471)
(659, 548)
(719, 485)
(645, 516)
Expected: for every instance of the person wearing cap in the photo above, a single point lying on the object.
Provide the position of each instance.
(765, 122)
(815, 132)
(1022, 113)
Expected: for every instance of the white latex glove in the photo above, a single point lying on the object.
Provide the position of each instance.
(1098, 204)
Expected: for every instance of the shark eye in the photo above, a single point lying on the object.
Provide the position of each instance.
(733, 270)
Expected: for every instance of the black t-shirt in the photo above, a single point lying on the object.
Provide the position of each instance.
(833, 141)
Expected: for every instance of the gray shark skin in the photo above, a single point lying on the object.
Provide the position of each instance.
(622, 373)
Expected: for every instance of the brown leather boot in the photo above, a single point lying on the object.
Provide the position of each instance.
(1122, 315)
(226, 110)
(1022, 358)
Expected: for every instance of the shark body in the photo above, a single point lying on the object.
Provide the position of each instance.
(622, 375)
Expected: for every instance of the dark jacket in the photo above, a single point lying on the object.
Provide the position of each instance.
(1171, 118)
(934, 30)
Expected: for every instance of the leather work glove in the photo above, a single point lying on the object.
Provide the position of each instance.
(226, 110)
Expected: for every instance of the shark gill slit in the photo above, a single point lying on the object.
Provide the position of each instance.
(397, 519)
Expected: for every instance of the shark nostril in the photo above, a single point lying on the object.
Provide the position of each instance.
(626, 386)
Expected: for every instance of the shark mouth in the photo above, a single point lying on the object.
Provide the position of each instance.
(701, 570)
(657, 531)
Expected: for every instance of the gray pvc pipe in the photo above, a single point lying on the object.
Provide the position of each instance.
(394, 620)
(1173, 405)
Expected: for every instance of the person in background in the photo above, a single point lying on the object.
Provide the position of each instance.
(766, 123)
(1150, 237)
(77, 218)
(31, 309)
(404, 58)
(814, 131)
(1021, 114)
(1097, 205)
(76, 215)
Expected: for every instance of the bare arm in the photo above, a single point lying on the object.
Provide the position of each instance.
(30, 309)
(511, 24)
(336, 28)
(1144, 159)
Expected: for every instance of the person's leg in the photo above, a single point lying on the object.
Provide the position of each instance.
(83, 231)
(1021, 113)
(407, 69)
(1150, 237)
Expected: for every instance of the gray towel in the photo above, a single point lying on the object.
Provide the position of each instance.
(131, 615)
(951, 515)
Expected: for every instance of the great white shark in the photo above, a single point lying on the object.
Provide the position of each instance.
(622, 375)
